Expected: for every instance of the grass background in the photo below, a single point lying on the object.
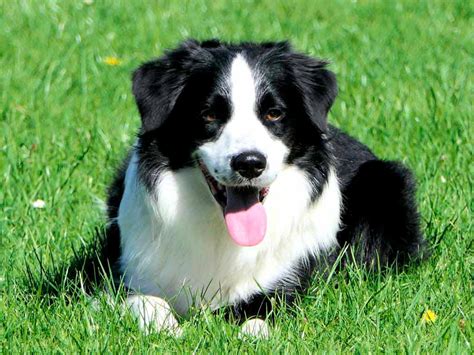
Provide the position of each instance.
(67, 119)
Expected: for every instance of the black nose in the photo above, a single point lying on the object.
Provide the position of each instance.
(249, 164)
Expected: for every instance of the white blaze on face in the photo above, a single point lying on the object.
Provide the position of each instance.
(244, 131)
(243, 91)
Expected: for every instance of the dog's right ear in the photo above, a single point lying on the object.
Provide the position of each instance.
(158, 84)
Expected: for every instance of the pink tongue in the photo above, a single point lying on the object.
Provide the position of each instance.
(245, 216)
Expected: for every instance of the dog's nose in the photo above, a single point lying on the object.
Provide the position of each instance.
(249, 164)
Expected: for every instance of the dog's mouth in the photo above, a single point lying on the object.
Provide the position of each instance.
(244, 214)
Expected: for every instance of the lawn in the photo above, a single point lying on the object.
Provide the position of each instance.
(67, 117)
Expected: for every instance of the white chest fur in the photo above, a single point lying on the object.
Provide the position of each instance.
(175, 244)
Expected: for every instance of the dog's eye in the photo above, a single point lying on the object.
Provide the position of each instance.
(273, 115)
(209, 116)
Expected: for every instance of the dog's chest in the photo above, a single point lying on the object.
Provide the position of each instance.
(175, 244)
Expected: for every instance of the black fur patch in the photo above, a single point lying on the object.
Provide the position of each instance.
(380, 216)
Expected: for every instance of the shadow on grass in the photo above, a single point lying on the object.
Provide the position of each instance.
(91, 267)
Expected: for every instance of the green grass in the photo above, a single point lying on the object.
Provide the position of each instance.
(66, 120)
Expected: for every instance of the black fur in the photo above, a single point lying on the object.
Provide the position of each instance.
(380, 218)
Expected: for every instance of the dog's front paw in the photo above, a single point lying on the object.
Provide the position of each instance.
(257, 328)
(154, 314)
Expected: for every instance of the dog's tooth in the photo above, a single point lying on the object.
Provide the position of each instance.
(213, 189)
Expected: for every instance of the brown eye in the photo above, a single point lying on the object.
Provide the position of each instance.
(209, 116)
(273, 115)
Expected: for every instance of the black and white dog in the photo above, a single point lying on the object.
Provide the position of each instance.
(237, 185)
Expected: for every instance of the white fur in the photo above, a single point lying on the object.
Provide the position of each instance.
(256, 327)
(175, 244)
(153, 313)
(244, 132)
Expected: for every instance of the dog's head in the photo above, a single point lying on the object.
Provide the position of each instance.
(238, 112)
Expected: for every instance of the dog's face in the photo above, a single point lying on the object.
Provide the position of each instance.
(244, 150)
(241, 113)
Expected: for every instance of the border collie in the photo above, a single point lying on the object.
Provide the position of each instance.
(237, 186)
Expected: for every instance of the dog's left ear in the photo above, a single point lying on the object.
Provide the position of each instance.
(318, 86)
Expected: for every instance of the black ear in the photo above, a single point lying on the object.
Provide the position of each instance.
(158, 84)
(317, 85)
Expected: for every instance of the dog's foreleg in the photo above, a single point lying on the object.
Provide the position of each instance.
(153, 314)
(255, 327)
